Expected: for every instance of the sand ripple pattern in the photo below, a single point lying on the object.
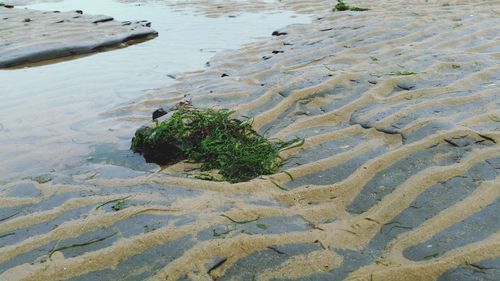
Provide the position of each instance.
(398, 178)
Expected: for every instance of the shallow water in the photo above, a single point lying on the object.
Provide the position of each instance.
(51, 115)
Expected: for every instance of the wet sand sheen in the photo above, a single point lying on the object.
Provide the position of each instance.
(57, 118)
(398, 178)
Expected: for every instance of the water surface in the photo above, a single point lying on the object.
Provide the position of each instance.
(51, 115)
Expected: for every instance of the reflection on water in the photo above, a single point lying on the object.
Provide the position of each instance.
(49, 115)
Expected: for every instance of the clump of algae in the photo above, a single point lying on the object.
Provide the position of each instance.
(342, 6)
(215, 140)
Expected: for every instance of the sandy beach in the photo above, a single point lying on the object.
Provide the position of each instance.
(398, 177)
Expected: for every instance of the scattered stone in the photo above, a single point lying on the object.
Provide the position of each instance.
(161, 153)
(406, 85)
(159, 113)
(278, 33)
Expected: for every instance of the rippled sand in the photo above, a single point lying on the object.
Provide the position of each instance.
(398, 178)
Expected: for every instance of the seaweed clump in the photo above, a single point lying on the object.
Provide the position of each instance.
(342, 6)
(401, 73)
(213, 139)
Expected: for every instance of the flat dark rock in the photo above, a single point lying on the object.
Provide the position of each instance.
(30, 36)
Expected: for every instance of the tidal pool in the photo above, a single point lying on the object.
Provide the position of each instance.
(51, 114)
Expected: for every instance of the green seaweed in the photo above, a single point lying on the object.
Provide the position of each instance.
(373, 58)
(494, 118)
(9, 216)
(279, 186)
(455, 66)
(40, 179)
(76, 245)
(215, 140)
(261, 226)
(116, 201)
(342, 6)
(120, 205)
(289, 175)
(204, 176)
(401, 73)
(357, 9)
(223, 233)
(7, 234)
(239, 222)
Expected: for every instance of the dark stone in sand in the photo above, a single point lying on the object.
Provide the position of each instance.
(160, 153)
(406, 85)
(279, 33)
(104, 19)
(159, 113)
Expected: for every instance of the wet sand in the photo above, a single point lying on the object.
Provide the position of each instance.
(30, 36)
(62, 115)
(397, 180)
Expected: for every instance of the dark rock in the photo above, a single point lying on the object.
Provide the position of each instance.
(159, 113)
(279, 33)
(57, 25)
(160, 153)
(224, 75)
(406, 85)
(104, 19)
